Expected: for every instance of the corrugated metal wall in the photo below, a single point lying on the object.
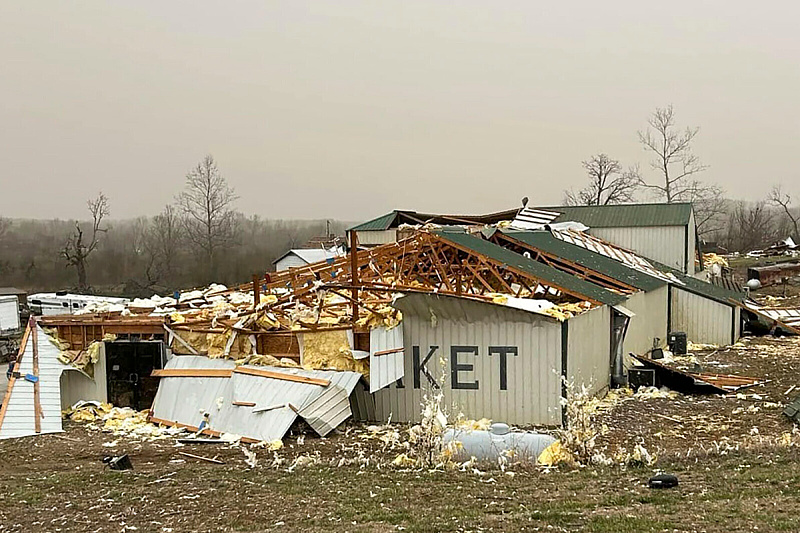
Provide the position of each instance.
(650, 321)
(665, 244)
(371, 238)
(9, 313)
(704, 320)
(465, 330)
(589, 349)
(76, 386)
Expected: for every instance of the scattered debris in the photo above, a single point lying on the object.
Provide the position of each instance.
(697, 382)
(663, 481)
(121, 462)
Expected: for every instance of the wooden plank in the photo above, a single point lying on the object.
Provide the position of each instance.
(244, 404)
(11, 381)
(387, 352)
(192, 373)
(37, 406)
(201, 458)
(194, 429)
(280, 375)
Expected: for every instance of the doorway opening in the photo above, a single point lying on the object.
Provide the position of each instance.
(129, 365)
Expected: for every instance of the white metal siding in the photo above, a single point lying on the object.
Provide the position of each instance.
(289, 261)
(387, 368)
(371, 238)
(533, 387)
(9, 313)
(76, 386)
(650, 321)
(589, 349)
(19, 420)
(665, 244)
(704, 320)
(691, 250)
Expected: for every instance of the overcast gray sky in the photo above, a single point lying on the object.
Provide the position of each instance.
(348, 109)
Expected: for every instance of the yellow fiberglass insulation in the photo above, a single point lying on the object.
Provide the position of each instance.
(198, 341)
(217, 343)
(330, 350)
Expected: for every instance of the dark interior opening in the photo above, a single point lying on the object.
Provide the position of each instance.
(128, 367)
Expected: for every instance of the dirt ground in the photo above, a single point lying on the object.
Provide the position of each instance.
(737, 458)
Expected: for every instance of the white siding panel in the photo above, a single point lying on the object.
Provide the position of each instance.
(589, 349)
(532, 381)
(704, 320)
(650, 321)
(9, 313)
(19, 419)
(387, 368)
(289, 261)
(372, 238)
(665, 244)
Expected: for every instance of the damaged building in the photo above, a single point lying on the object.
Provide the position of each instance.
(498, 313)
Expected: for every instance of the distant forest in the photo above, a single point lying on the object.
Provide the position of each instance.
(137, 258)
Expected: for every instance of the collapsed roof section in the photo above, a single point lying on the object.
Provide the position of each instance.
(398, 217)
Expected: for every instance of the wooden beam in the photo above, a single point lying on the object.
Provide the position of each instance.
(354, 272)
(192, 372)
(7, 397)
(201, 458)
(280, 375)
(244, 404)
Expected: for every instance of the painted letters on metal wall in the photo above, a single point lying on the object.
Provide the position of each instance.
(487, 360)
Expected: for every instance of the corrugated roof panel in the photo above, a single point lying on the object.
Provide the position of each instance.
(329, 409)
(625, 257)
(626, 215)
(547, 274)
(185, 399)
(610, 266)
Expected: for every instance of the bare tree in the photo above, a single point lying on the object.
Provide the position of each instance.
(673, 158)
(608, 183)
(750, 227)
(209, 219)
(783, 200)
(75, 250)
(710, 208)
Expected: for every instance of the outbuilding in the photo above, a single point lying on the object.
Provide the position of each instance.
(494, 361)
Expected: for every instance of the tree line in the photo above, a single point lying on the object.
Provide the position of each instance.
(675, 175)
(197, 239)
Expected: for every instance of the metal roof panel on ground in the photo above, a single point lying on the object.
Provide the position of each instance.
(546, 242)
(185, 399)
(625, 215)
(547, 274)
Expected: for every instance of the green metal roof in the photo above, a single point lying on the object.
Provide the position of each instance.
(544, 241)
(383, 222)
(545, 273)
(703, 288)
(625, 215)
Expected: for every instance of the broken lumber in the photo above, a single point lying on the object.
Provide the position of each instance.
(201, 458)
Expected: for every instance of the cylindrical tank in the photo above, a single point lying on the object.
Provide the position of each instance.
(489, 445)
